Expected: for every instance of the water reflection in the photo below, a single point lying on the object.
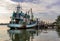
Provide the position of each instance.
(29, 34)
(58, 32)
(22, 35)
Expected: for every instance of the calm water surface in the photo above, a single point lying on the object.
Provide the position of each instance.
(28, 34)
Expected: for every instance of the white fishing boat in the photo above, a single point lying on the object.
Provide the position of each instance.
(22, 20)
(21, 26)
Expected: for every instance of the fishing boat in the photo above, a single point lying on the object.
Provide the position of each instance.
(22, 20)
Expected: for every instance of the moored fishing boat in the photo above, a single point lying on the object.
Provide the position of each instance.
(22, 20)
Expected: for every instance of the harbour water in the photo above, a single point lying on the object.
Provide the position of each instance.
(28, 34)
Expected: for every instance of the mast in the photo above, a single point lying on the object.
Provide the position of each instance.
(18, 8)
(31, 14)
(28, 12)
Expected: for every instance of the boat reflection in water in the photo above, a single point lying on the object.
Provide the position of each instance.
(22, 35)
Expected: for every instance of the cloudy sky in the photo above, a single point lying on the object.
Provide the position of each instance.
(46, 10)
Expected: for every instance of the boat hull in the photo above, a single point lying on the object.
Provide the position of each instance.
(19, 26)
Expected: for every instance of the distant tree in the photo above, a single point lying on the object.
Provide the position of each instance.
(58, 21)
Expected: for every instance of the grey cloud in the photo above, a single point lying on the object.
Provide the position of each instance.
(31, 1)
(54, 4)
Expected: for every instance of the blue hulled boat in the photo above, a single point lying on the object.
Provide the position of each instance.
(22, 20)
